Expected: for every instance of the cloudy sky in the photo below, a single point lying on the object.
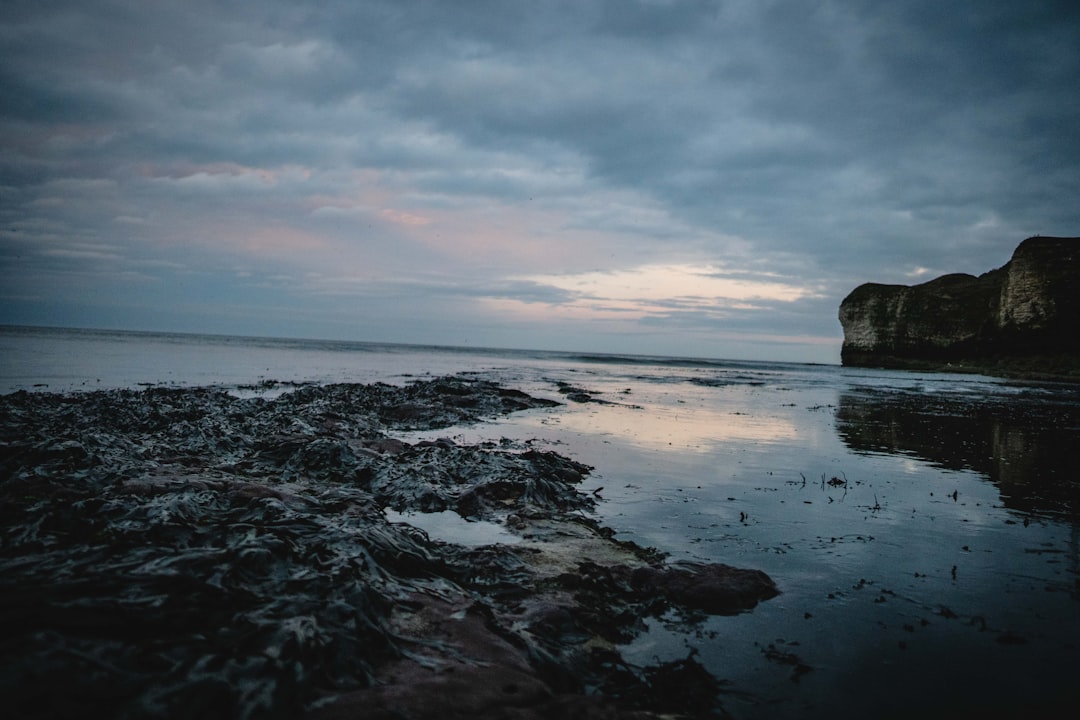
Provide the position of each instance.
(653, 176)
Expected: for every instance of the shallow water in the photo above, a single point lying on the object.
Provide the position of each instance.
(449, 527)
(922, 527)
(922, 530)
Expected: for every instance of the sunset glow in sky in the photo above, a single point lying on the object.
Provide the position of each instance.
(686, 177)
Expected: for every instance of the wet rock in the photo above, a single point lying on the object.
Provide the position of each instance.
(387, 446)
(714, 588)
(185, 553)
(579, 395)
(486, 485)
(475, 669)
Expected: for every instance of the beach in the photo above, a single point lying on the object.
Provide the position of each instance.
(302, 528)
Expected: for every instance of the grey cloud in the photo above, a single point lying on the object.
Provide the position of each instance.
(442, 288)
(522, 290)
(831, 142)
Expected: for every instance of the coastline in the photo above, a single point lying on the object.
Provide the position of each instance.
(948, 554)
(1057, 368)
(185, 552)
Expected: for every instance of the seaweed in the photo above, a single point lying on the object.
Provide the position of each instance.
(187, 553)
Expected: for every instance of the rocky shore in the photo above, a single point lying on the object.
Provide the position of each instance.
(190, 553)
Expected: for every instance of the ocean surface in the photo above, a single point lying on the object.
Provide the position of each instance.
(923, 527)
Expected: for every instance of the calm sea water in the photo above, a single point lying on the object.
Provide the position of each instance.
(922, 527)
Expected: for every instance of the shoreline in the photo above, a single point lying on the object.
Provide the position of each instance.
(1049, 369)
(185, 552)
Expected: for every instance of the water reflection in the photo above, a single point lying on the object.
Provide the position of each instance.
(448, 526)
(1026, 444)
(685, 427)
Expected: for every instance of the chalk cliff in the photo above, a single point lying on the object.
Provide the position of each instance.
(1022, 317)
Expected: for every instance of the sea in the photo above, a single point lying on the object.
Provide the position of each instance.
(922, 527)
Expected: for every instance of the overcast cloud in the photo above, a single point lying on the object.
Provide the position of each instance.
(659, 176)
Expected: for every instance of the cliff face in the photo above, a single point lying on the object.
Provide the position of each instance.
(1026, 309)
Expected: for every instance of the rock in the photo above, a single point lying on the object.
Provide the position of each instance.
(1020, 318)
(189, 554)
(713, 588)
(462, 669)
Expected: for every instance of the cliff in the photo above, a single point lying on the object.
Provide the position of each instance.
(1022, 318)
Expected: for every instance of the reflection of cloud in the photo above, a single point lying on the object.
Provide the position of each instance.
(695, 429)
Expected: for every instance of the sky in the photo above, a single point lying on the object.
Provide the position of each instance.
(703, 179)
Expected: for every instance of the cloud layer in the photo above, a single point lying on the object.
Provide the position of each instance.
(695, 178)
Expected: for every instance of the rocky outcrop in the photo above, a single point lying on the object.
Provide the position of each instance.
(185, 553)
(1022, 317)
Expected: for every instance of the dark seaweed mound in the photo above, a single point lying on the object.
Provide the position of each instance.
(187, 553)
